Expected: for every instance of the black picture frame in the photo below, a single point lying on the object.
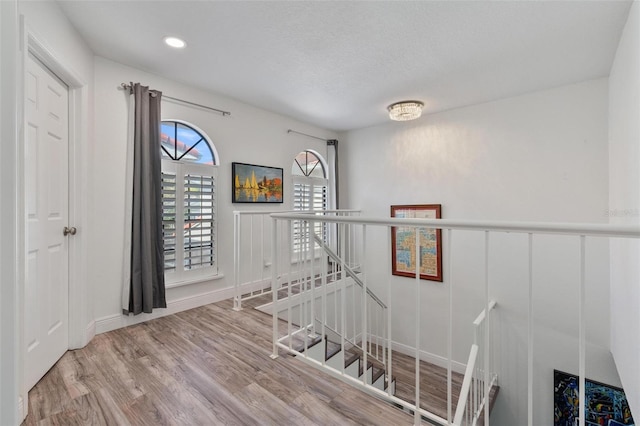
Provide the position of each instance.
(604, 403)
(254, 184)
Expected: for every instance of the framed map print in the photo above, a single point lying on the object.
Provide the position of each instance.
(403, 243)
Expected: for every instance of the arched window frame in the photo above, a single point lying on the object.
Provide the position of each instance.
(189, 196)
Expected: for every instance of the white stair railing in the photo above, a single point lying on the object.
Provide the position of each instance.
(252, 257)
(374, 331)
(481, 377)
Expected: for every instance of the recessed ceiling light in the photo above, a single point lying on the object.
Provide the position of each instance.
(175, 42)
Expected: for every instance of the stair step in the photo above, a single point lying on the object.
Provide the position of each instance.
(350, 357)
(353, 359)
(298, 341)
(332, 349)
(376, 374)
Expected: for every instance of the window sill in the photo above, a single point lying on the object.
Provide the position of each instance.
(194, 280)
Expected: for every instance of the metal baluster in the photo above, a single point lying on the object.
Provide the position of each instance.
(486, 331)
(530, 337)
(312, 255)
(389, 319)
(416, 417)
(237, 300)
(291, 244)
(262, 256)
(450, 339)
(365, 310)
(343, 293)
(582, 332)
(274, 278)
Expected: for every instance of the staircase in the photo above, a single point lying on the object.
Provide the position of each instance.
(328, 351)
(325, 314)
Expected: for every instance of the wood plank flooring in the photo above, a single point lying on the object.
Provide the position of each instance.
(205, 366)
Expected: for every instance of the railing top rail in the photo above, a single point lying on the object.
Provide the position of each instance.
(482, 314)
(305, 212)
(590, 229)
(353, 275)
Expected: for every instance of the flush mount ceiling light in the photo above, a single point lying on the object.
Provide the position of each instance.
(174, 42)
(405, 110)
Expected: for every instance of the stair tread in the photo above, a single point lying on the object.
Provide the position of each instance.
(332, 349)
(297, 342)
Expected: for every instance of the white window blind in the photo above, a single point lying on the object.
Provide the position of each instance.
(309, 194)
(169, 220)
(189, 204)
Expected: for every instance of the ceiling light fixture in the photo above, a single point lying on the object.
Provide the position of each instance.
(174, 42)
(405, 110)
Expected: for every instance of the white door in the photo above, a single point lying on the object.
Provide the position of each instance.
(46, 198)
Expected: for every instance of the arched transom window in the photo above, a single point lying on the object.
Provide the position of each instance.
(308, 164)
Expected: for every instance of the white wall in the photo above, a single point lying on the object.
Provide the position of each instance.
(249, 135)
(624, 206)
(537, 157)
(9, 334)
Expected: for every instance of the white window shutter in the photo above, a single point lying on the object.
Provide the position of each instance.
(189, 220)
(309, 194)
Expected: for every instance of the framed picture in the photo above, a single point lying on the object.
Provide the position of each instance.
(605, 404)
(403, 243)
(256, 184)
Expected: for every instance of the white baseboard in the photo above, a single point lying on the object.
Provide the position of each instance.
(22, 412)
(113, 322)
(438, 360)
(90, 332)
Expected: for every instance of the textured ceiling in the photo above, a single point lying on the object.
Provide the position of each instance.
(339, 64)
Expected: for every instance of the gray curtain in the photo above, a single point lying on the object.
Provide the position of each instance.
(332, 147)
(147, 254)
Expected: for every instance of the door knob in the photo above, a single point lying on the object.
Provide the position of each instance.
(66, 231)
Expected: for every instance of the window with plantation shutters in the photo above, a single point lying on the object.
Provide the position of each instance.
(189, 193)
(310, 187)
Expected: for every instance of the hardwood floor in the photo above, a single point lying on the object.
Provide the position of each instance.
(205, 366)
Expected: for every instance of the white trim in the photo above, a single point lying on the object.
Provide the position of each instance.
(194, 280)
(90, 331)
(21, 408)
(434, 359)
(113, 322)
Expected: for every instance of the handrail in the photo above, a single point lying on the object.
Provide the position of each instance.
(482, 314)
(259, 280)
(481, 376)
(564, 228)
(269, 212)
(350, 271)
(466, 385)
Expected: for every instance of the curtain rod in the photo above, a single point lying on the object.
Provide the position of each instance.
(126, 86)
(309, 136)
